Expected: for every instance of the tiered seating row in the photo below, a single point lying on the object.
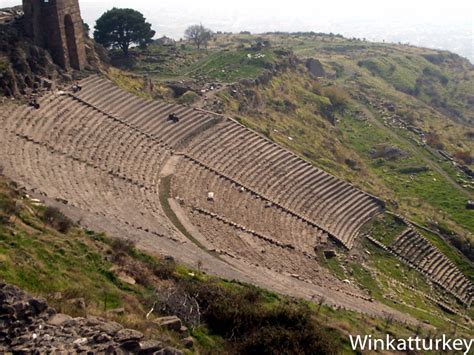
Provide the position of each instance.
(93, 137)
(263, 166)
(230, 239)
(416, 249)
(243, 228)
(75, 153)
(151, 117)
(239, 153)
(236, 202)
(81, 184)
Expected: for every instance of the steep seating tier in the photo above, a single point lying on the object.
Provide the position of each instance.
(70, 152)
(263, 166)
(193, 182)
(224, 145)
(82, 185)
(238, 242)
(102, 150)
(151, 117)
(421, 254)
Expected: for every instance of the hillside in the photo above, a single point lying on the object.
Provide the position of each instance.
(334, 174)
(358, 123)
(87, 274)
(395, 120)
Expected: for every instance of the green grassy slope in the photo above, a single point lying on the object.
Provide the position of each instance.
(185, 63)
(293, 112)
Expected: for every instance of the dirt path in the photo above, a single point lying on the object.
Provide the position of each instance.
(175, 244)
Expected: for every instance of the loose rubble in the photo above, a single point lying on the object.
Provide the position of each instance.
(29, 325)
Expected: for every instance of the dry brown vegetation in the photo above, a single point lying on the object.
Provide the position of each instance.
(464, 157)
(337, 95)
(434, 141)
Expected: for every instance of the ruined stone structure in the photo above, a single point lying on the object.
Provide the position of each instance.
(30, 326)
(57, 26)
(422, 255)
(111, 158)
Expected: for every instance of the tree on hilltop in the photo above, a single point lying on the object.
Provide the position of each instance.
(120, 28)
(199, 34)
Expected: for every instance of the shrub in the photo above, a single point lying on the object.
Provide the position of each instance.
(8, 206)
(179, 302)
(428, 71)
(165, 270)
(5, 220)
(188, 98)
(56, 219)
(307, 337)
(465, 157)
(408, 115)
(387, 152)
(316, 88)
(336, 95)
(413, 169)
(284, 106)
(351, 164)
(257, 99)
(242, 317)
(122, 246)
(433, 140)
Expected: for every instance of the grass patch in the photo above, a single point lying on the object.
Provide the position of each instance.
(232, 65)
(415, 189)
(333, 265)
(165, 190)
(385, 228)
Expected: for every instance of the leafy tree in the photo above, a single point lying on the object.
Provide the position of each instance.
(87, 29)
(199, 34)
(120, 28)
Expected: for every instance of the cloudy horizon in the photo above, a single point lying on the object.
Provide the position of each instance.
(422, 23)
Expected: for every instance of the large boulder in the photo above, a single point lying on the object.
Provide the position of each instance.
(315, 68)
(149, 347)
(127, 334)
(170, 322)
(169, 351)
(110, 328)
(38, 305)
(188, 342)
(59, 319)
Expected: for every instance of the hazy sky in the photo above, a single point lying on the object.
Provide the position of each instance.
(434, 23)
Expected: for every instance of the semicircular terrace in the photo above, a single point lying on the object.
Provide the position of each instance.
(243, 158)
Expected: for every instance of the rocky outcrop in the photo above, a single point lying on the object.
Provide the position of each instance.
(315, 68)
(29, 325)
(170, 322)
